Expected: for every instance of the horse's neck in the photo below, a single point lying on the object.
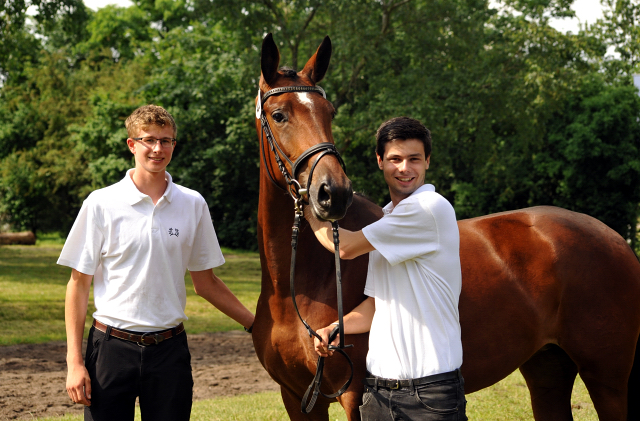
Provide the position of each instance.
(275, 222)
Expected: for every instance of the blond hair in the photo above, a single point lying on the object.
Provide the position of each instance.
(147, 116)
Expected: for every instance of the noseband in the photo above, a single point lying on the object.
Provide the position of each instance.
(295, 189)
(296, 192)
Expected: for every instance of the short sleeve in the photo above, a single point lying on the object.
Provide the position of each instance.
(406, 233)
(83, 246)
(205, 253)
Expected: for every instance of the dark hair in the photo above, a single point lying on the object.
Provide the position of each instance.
(402, 128)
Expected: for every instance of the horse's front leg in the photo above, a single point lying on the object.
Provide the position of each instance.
(292, 404)
(351, 402)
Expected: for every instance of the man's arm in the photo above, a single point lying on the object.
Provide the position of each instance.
(357, 320)
(207, 285)
(75, 315)
(352, 243)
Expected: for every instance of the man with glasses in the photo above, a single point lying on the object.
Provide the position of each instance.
(136, 239)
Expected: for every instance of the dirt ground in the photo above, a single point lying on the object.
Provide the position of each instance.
(32, 377)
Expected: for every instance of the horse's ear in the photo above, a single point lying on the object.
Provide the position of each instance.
(270, 59)
(318, 64)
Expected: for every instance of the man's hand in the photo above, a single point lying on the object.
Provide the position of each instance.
(352, 243)
(79, 384)
(322, 348)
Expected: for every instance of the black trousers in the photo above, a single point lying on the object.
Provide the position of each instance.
(120, 371)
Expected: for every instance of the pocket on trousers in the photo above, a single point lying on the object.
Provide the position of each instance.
(367, 397)
(440, 398)
(93, 347)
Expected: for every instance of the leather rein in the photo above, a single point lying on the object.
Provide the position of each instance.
(297, 192)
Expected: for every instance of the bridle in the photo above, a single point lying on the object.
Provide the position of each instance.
(297, 192)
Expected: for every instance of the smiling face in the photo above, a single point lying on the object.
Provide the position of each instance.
(404, 165)
(152, 160)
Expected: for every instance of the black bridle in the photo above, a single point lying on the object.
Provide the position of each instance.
(297, 193)
(324, 148)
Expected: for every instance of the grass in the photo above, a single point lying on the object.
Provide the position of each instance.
(32, 289)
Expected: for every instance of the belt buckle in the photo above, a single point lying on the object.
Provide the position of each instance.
(155, 336)
(395, 384)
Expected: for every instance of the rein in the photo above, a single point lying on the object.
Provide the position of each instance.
(296, 191)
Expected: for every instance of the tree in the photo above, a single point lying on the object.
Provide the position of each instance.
(591, 162)
(208, 89)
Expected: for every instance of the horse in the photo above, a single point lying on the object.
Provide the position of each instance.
(549, 291)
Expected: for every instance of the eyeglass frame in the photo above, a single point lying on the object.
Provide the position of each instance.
(139, 139)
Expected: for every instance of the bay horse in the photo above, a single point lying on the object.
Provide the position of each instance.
(551, 292)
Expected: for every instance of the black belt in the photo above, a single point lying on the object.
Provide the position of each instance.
(144, 339)
(397, 384)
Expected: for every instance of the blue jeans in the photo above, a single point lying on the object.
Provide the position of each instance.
(438, 401)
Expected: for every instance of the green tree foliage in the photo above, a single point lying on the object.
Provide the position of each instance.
(61, 21)
(209, 93)
(590, 161)
(520, 114)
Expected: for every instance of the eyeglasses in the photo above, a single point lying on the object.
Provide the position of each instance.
(151, 141)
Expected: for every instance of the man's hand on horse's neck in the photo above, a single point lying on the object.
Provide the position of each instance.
(352, 243)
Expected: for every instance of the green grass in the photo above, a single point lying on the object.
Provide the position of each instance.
(32, 289)
(265, 406)
(33, 286)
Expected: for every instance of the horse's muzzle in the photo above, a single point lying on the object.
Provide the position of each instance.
(329, 199)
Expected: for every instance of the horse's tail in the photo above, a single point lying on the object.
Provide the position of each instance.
(633, 397)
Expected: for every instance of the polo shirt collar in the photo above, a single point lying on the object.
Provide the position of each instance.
(423, 188)
(132, 195)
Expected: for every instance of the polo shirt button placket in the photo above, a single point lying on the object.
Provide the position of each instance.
(154, 227)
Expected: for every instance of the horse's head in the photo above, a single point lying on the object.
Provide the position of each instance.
(293, 119)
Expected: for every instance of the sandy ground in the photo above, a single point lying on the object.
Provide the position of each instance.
(32, 377)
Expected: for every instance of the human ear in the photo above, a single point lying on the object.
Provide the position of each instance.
(379, 161)
(131, 144)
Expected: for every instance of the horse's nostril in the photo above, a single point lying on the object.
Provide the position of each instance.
(324, 194)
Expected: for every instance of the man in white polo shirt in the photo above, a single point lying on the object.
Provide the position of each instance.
(413, 287)
(136, 239)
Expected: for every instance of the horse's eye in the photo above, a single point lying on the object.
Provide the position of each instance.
(278, 117)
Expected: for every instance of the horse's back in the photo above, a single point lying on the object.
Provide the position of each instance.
(544, 275)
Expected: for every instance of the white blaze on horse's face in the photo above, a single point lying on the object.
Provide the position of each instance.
(304, 98)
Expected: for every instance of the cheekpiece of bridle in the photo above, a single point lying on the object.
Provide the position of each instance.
(297, 192)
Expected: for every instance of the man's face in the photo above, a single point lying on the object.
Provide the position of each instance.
(403, 165)
(151, 159)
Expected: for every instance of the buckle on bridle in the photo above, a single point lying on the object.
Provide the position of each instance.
(155, 336)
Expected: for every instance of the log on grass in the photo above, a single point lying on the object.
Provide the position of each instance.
(27, 238)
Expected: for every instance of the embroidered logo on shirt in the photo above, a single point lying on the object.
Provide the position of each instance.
(174, 231)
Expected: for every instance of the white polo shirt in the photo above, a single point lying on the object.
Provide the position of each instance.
(138, 252)
(415, 278)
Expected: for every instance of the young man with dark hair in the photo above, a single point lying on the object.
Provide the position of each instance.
(135, 240)
(413, 287)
